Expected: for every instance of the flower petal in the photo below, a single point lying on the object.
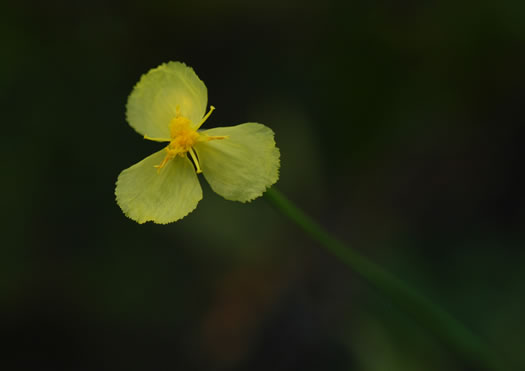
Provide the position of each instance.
(162, 197)
(241, 166)
(152, 103)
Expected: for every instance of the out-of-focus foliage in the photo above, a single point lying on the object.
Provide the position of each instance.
(400, 129)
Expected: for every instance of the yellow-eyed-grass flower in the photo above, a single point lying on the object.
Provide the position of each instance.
(168, 104)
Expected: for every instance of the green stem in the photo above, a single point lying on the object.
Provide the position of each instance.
(450, 331)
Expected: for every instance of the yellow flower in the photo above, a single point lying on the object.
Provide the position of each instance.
(168, 105)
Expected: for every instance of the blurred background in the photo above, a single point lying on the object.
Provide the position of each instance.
(400, 126)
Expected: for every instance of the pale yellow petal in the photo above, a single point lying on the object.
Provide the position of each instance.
(242, 166)
(153, 102)
(162, 197)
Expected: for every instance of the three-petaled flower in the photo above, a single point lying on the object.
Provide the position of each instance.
(168, 105)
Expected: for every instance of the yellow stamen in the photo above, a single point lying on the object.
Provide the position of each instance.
(207, 138)
(195, 160)
(169, 156)
(217, 137)
(183, 137)
(205, 117)
(156, 139)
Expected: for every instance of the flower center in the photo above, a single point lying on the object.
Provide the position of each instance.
(184, 135)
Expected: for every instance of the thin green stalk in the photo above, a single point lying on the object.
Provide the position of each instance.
(450, 331)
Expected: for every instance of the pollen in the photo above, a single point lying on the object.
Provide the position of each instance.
(184, 134)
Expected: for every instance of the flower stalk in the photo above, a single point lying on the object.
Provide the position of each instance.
(452, 333)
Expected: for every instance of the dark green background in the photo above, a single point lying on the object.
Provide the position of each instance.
(401, 130)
